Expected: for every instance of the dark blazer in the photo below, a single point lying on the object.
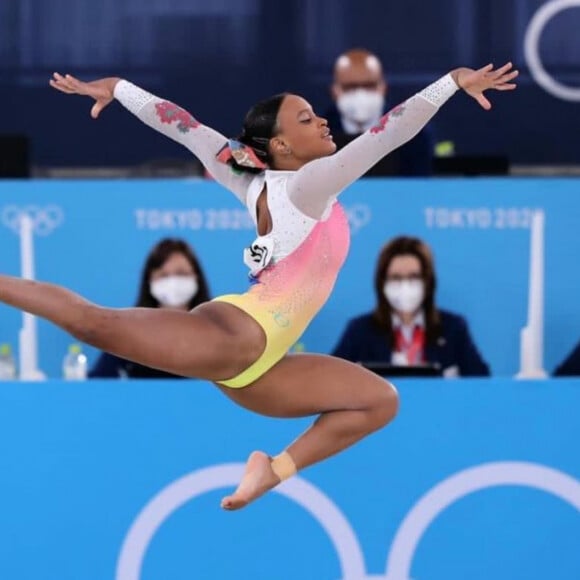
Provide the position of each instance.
(111, 366)
(414, 159)
(364, 341)
(570, 367)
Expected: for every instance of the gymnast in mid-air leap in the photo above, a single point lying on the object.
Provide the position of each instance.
(284, 169)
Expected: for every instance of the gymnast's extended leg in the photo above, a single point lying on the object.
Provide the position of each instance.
(215, 341)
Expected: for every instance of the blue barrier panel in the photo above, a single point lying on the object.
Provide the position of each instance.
(475, 479)
(93, 236)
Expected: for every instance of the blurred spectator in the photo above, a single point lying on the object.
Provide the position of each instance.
(172, 277)
(406, 328)
(359, 91)
(570, 367)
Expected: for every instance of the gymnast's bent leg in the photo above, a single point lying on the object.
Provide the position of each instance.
(351, 403)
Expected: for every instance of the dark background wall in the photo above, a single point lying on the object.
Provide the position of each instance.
(217, 57)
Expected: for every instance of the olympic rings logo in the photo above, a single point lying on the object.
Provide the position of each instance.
(44, 219)
(532, 49)
(332, 520)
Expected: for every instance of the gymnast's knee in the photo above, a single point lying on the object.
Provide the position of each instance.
(386, 405)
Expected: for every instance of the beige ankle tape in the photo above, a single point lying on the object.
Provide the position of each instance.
(283, 466)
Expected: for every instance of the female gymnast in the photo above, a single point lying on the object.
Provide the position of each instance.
(282, 168)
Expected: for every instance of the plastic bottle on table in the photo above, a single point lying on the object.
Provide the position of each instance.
(7, 363)
(74, 366)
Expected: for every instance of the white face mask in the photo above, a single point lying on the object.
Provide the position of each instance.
(174, 290)
(361, 105)
(406, 295)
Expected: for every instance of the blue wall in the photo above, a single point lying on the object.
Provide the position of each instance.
(82, 462)
(93, 237)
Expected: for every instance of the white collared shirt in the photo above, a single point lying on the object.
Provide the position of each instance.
(397, 357)
(408, 329)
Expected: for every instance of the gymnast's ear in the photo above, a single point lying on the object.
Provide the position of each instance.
(279, 146)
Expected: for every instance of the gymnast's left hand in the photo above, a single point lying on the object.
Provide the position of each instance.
(476, 82)
(102, 90)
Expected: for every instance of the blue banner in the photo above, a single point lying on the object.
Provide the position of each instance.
(122, 480)
(92, 236)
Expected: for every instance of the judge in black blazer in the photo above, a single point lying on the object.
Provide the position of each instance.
(406, 328)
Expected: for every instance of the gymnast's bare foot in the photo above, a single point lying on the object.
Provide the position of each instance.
(258, 479)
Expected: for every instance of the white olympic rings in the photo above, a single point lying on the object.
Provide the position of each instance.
(44, 219)
(333, 521)
(532, 50)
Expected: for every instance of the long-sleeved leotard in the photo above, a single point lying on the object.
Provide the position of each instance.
(296, 264)
(313, 185)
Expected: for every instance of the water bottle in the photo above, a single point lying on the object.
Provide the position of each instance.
(74, 366)
(7, 363)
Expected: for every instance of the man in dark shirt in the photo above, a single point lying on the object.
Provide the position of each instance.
(359, 92)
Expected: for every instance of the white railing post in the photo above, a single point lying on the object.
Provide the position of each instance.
(28, 339)
(532, 335)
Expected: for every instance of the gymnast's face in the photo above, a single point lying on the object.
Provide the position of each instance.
(302, 135)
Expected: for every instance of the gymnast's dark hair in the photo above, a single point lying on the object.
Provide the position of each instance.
(260, 125)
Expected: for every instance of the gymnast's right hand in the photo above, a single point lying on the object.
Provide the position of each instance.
(101, 90)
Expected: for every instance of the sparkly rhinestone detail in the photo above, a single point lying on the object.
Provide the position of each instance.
(440, 91)
(132, 97)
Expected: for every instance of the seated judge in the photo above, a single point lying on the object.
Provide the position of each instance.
(406, 328)
(360, 98)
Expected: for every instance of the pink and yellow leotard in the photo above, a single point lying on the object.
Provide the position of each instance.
(294, 267)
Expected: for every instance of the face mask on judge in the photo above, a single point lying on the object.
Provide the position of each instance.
(361, 106)
(404, 295)
(174, 291)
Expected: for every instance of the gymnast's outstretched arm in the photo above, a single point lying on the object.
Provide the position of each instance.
(321, 180)
(179, 125)
(165, 117)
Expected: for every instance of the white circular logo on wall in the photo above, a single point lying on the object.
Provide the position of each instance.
(44, 220)
(532, 49)
(333, 521)
(162, 506)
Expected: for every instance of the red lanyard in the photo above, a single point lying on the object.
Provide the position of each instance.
(412, 349)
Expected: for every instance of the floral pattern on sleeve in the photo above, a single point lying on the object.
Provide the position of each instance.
(380, 127)
(171, 113)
